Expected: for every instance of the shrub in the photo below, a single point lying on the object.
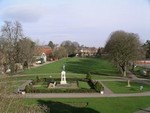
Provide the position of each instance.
(37, 78)
(91, 84)
(98, 87)
(88, 76)
(33, 82)
(29, 89)
(60, 90)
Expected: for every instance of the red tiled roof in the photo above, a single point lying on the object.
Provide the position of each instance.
(43, 49)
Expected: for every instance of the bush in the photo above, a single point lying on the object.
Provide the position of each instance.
(63, 90)
(88, 76)
(29, 89)
(91, 83)
(98, 87)
(33, 82)
(37, 78)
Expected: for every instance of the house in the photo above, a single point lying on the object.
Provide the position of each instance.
(87, 51)
(43, 53)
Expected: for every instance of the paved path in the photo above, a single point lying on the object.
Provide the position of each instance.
(136, 79)
(146, 110)
(79, 95)
(106, 89)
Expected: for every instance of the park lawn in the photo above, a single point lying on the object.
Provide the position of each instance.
(121, 87)
(77, 65)
(54, 67)
(93, 105)
(97, 66)
(84, 85)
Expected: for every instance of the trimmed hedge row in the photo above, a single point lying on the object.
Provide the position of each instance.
(95, 86)
(30, 89)
(52, 80)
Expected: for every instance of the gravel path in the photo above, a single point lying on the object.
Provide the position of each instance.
(146, 110)
(79, 95)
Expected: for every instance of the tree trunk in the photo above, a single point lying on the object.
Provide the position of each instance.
(133, 66)
(12, 68)
(124, 72)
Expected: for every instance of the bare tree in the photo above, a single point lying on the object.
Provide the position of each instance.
(59, 52)
(51, 44)
(26, 50)
(71, 47)
(122, 48)
(11, 33)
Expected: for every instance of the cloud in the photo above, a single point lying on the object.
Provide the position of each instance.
(77, 20)
(24, 13)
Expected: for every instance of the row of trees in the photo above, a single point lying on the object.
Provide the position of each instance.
(123, 47)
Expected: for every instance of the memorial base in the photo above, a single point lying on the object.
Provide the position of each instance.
(63, 82)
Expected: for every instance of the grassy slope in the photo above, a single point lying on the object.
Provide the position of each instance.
(77, 65)
(48, 68)
(94, 105)
(93, 65)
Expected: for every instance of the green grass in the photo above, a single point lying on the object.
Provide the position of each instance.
(93, 65)
(77, 65)
(93, 105)
(121, 87)
(84, 85)
(55, 67)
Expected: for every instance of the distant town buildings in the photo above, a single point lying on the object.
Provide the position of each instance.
(87, 51)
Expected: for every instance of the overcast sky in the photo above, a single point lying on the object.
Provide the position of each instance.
(88, 22)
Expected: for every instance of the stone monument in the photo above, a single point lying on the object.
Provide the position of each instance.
(63, 76)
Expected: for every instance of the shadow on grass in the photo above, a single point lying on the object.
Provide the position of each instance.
(93, 65)
(59, 107)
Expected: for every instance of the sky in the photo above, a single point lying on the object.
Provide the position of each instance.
(88, 22)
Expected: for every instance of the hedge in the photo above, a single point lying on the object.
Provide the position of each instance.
(95, 86)
(33, 90)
